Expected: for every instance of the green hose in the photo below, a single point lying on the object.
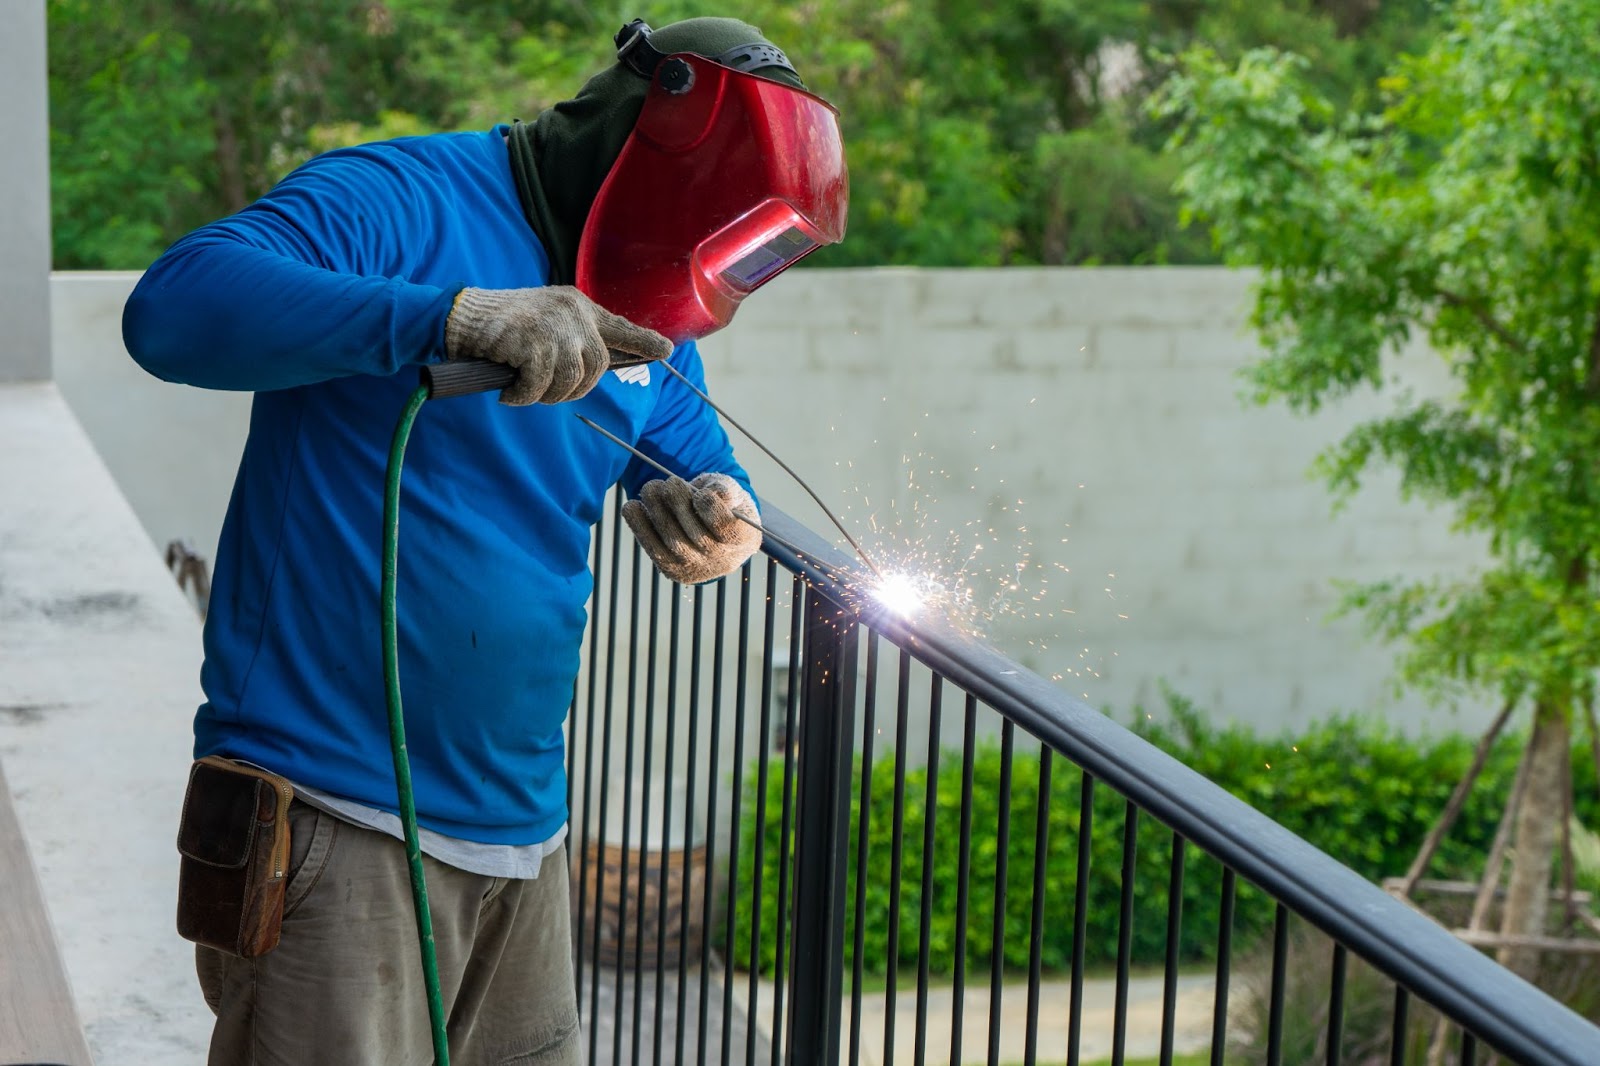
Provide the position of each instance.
(397, 724)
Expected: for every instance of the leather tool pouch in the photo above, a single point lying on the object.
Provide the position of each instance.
(234, 842)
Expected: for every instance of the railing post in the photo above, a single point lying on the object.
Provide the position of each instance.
(827, 717)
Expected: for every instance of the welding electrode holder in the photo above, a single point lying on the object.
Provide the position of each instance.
(466, 376)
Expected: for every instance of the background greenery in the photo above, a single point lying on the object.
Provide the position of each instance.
(979, 133)
(1353, 787)
(1462, 210)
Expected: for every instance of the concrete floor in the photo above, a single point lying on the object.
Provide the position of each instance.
(601, 1028)
(99, 672)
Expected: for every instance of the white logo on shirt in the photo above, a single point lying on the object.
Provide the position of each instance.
(638, 375)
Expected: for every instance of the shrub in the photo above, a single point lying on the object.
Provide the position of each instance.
(1353, 787)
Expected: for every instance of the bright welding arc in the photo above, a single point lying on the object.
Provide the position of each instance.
(798, 480)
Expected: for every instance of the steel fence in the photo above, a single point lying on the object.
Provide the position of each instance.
(687, 951)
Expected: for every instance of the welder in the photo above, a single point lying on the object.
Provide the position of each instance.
(578, 249)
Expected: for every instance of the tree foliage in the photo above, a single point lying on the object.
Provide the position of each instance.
(1465, 208)
(978, 133)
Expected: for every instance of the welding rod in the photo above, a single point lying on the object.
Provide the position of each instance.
(787, 469)
(460, 377)
(642, 457)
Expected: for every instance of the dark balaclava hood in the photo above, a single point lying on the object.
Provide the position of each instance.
(561, 158)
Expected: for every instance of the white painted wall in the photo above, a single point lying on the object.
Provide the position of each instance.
(24, 196)
(1106, 400)
(173, 449)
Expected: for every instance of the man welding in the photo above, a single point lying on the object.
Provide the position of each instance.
(616, 228)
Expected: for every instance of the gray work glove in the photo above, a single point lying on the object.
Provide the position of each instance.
(556, 338)
(689, 528)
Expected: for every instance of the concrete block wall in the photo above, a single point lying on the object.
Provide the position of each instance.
(1169, 531)
(1109, 403)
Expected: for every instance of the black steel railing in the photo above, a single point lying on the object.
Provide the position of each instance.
(822, 908)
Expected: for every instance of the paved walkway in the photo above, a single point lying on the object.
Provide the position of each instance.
(1192, 1031)
(601, 1026)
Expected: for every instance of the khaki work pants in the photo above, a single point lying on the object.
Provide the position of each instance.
(344, 986)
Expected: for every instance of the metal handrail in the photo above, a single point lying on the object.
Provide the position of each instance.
(1501, 1008)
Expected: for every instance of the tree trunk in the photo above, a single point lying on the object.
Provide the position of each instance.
(230, 163)
(1538, 826)
(1458, 800)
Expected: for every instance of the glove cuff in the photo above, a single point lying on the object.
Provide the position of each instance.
(471, 311)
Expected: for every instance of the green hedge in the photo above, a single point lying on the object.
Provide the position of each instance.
(1353, 787)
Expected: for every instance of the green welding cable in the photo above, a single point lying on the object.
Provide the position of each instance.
(397, 725)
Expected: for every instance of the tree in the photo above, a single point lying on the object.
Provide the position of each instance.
(1465, 209)
(166, 114)
(980, 133)
(128, 135)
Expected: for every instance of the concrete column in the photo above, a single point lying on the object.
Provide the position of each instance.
(24, 195)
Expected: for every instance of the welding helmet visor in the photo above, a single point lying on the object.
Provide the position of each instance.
(727, 179)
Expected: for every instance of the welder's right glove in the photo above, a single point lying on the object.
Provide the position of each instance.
(555, 337)
(692, 529)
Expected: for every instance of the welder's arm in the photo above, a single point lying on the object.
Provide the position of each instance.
(305, 285)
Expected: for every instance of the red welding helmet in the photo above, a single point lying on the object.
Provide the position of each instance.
(727, 179)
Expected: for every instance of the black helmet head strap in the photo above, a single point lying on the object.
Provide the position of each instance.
(635, 51)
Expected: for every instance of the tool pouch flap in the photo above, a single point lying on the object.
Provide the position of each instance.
(233, 840)
(221, 831)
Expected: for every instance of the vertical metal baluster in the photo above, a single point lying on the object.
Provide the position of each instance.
(1469, 1049)
(571, 740)
(1080, 915)
(1397, 1035)
(1219, 1016)
(969, 732)
(1280, 964)
(674, 616)
(822, 834)
(1280, 976)
(635, 582)
(713, 736)
(692, 754)
(796, 614)
(735, 827)
(769, 643)
(919, 1047)
(1336, 1006)
(863, 825)
(1130, 847)
(1041, 850)
(644, 816)
(615, 592)
(582, 843)
(896, 851)
(1002, 848)
(1169, 982)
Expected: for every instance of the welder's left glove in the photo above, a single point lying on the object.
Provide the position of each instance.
(690, 529)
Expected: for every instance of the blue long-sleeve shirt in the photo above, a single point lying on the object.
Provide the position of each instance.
(324, 298)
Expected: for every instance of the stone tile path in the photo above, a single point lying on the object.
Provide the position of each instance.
(1143, 1035)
